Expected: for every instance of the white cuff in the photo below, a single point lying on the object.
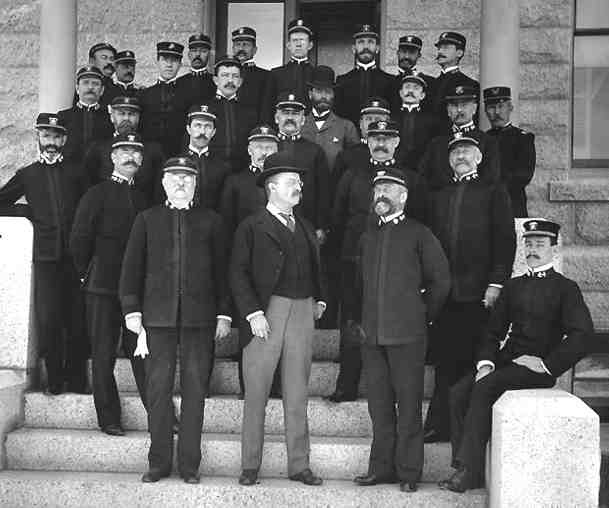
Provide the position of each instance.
(254, 314)
(222, 316)
(132, 314)
(545, 368)
(484, 363)
(498, 286)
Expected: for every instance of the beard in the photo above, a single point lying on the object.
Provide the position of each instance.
(383, 206)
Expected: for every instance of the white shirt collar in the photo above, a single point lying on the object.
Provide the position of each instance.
(249, 62)
(465, 176)
(45, 158)
(167, 81)
(467, 125)
(299, 60)
(389, 218)
(367, 66)
(450, 69)
(121, 83)
(231, 98)
(117, 176)
(410, 107)
(276, 212)
(202, 70)
(542, 268)
(197, 151)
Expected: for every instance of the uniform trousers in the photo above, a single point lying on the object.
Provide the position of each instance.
(395, 374)
(291, 340)
(455, 337)
(471, 406)
(105, 321)
(61, 326)
(350, 343)
(196, 361)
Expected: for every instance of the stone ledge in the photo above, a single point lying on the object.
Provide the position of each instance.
(580, 189)
(587, 266)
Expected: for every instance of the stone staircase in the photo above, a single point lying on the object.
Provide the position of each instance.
(60, 458)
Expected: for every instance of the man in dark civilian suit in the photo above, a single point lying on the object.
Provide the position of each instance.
(99, 236)
(242, 197)
(417, 127)
(349, 219)
(462, 104)
(399, 258)
(473, 220)
(451, 48)
(213, 170)
(123, 80)
(165, 103)
(375, 109)
(52, 187)
(125, 115)
(333, 134)
(235, 119)
(173, 290)
(257, 86)
(516, 147)
(315, 203)
(198, 81)
(366, 79)
(87, 120)
(408, 53)
(549, 329)
(294, 76)
(276, 281)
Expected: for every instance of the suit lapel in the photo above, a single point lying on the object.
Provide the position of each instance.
(329, 122)
(269, 226)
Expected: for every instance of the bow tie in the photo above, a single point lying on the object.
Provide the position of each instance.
(287, 137)
(396, 220)
(466, 178)
(537, 275)
(321, 118)
(375, 163)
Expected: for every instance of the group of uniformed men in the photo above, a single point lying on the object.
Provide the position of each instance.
(376, 201)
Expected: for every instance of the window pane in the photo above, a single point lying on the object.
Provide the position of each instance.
(591, 100)
(267, 19)
(592, 14)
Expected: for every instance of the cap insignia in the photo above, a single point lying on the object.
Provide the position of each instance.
(131, 137)
(172, 46)
(532, 225)
(382, 125)
(299, 22)
(291, 97)
(459, 90)
(53, 120)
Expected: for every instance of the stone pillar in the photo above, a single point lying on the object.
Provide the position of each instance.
(499, 50)
(545, 451)
(58, 27)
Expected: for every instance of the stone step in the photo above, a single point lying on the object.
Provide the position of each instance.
(337, 458)
(225, 380)
(223, 415)
(593, 367)
(24, 489)
(591, 389)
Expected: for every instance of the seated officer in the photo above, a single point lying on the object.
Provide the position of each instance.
(549, 330)
(101, 228)
(173, 283)
(516, 147)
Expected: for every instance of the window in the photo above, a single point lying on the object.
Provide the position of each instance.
(591, 84)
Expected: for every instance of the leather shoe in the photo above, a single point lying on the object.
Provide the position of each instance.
(460, 481)
(192, 478)
(340, 396)
(114, 429)
(248, 477)
(153, 476)
(307, 477)
(408, 486)
(433, 436)
(367, 480)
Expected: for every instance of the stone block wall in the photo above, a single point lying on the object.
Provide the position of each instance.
(127, 24)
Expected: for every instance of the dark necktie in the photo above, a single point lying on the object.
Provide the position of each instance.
(289, 221)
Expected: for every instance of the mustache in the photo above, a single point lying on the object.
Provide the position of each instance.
(380, 149)
(230, 84)
(533, 256)
(50, 146)
(109, 66)
(129, 74)
(241, 52)
(290, 122)
(382, 199)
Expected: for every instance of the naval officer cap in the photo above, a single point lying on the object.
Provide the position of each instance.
(181, 165)
(462, 92)
(375, 105)
(390, 175)
(289, 100)
(127, 56)
(125, 102)
(201, 111)
(541, 227)
(263, 132)
(245, 33)
(226, 61)
(454, 38)
(278, 162)
(459, 139)
(99, 46)
(89, 71)
(496, 94)
(50, 121)
(384, 128)
(298, 25)
(366, 30)
(130, 139)
(412, 78)
(199, 41)
(410, 41)
(168, 48)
